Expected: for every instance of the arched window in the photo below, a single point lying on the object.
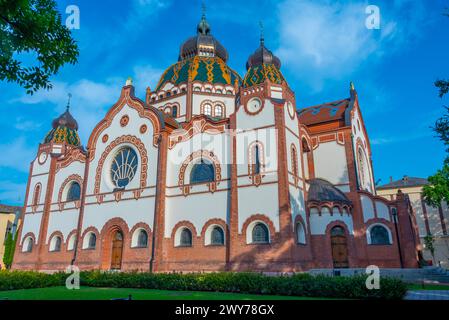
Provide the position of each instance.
(208, 90)
(257, 159)
(185, 238)
(219, 91)
(55, 244)
(124, 167)
(305, 157)
(207, 110)
(174, 111)
(338, 231)
(37, 194)
(142, 239)
(300, 233)
(294, 161)
(202, 172)
(71, 242)
(229, 92)
(218, 111)
(92, 241)
(379, 235)
(74, 192)
(260, 233)
(27, 245)
(361, 159)
(217, 236)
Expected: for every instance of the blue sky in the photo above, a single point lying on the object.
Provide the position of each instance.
(323, 45)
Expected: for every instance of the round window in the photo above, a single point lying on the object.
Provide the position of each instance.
(124, 167)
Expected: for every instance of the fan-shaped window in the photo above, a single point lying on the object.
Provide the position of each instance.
(219, 91)
(197, 89)
(229, 92)
(260, 233)
(74, 192)
(218, 111)
(142, 239)
(207, 110)
(217, 236)
(379, 235)
(124, 167)
(55, 244)
(208, 90)
(202, 172)
(185, 238)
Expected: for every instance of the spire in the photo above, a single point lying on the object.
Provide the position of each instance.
(203, 26)
(351, 85)
(262, 37)
(68, 101)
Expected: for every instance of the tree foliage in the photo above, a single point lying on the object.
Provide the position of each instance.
(443, 85)
(32, 30)
(10, 247)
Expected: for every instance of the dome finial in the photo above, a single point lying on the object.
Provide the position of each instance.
(262, 37)
(203, 26)
(68, 101)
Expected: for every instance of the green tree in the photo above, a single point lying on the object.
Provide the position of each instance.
(33, 30)
(10, 248)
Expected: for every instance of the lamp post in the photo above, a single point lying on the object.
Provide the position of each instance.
(394, 213)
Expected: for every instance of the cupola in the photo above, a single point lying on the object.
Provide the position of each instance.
(64, 129)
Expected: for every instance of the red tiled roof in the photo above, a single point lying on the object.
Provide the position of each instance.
(325, 112)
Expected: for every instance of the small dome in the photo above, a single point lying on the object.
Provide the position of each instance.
(263, 65)
(65, 130)
(204, 69)
(203, 44)
(321, 190)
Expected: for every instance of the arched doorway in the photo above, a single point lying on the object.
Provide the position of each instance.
(117, 250)
(339, 245)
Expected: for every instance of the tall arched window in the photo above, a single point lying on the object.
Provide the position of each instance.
(300, 233)
(260, 233)
(27, 245)
(174, 111)
(55, 244)
(207, 109)
(361, 159)
(92, 241)
(294, 162)
(255, 158)
(74, 192)
(217, 236)
(185, 238)
(218, 111)
(379, 235)
(37, 194)
(202, 172)
(142, 239)
(124, 167)
(305, 157)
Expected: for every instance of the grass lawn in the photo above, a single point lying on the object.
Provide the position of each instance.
(90, 293)
(416, 286)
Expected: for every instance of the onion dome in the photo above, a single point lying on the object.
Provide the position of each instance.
(263, 65)
(65, 130)
(201, 58)
(203, 44)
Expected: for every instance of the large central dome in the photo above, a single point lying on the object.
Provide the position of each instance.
(201, 58)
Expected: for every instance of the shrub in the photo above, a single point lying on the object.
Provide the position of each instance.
(244, 282)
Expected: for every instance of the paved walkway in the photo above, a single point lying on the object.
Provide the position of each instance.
(427, 295)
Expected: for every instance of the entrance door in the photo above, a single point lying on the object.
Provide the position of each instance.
(339, 247)
(117, 248)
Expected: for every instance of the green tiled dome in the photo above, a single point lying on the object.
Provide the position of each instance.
(63, 134)
(65, 130)
(204, 69)
(259, 73)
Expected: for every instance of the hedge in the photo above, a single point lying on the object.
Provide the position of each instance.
(254, 283)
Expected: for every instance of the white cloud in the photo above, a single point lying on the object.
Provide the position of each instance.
(23, 124)
(328, 39)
